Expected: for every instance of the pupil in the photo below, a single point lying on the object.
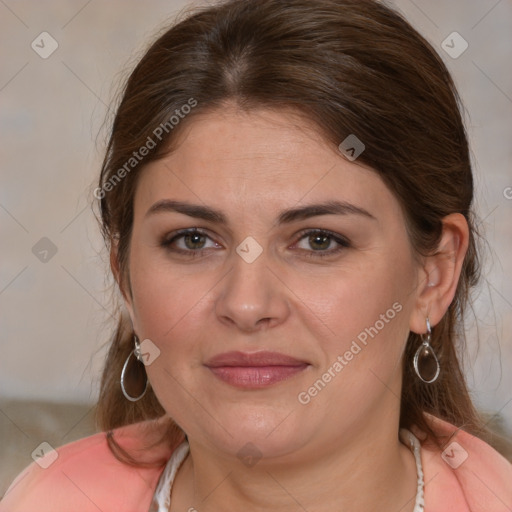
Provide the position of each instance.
(324, 238)
(194, 238)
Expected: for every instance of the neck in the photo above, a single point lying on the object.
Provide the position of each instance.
(373, 470)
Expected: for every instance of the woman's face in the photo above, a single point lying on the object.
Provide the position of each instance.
(338, 301)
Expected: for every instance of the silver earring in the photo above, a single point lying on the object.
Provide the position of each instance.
(426, 364)
(136, 374)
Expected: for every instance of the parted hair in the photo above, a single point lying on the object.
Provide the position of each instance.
(349, 66)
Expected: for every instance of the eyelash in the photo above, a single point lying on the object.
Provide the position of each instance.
(343, 242)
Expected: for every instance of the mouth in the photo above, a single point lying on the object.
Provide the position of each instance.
(256, 370)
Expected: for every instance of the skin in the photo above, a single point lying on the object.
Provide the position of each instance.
(341, 450)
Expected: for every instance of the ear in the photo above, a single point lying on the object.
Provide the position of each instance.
(440, 274)
(118, 276)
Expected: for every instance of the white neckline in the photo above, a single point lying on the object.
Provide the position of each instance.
(414, 444)
(162, 496)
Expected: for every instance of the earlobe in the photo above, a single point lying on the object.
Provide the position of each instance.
(440, 273)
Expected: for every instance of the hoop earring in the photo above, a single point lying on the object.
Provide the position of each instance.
(136, 351)
(425, 361)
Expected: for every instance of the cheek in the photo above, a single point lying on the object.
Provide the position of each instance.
(170, 311)
(347, 302)
(174, 305)
(336, 304)
(367, 313)
(167, 297)
(367, 321)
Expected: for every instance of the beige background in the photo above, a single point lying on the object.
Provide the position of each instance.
(55, 314)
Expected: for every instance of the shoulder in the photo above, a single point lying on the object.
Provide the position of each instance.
(468, 473)
(85, 475)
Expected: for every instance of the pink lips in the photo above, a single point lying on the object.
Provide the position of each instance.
(256, 370)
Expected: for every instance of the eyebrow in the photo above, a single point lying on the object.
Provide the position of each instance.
(285, 217)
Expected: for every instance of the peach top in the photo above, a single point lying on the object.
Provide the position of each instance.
(468, 476)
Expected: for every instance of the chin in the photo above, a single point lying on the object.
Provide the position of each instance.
(247, 444)
(255, 433)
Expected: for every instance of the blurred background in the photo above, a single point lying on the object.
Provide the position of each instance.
(62, 62)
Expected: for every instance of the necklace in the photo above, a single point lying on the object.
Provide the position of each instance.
(408, 437)
(162, 496)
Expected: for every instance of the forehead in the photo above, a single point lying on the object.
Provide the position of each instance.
(256, 160)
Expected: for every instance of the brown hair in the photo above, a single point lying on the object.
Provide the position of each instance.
(351, 67)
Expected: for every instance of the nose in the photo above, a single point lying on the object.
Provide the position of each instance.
(251, 296)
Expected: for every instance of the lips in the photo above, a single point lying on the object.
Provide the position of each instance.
(256, 370)
(253, 359)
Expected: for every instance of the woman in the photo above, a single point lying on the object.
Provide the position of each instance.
(287, 201)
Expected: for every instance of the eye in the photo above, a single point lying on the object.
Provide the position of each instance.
(191, 242)
(321, 240)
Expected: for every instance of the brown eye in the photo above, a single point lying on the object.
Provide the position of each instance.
(321, 242)
(191, 242)
(194, 240)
